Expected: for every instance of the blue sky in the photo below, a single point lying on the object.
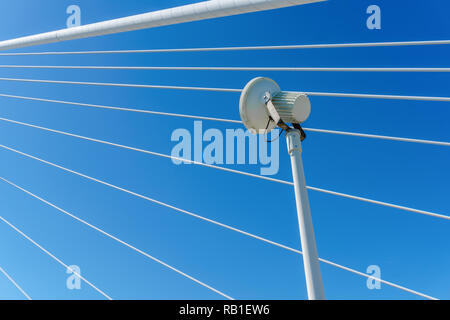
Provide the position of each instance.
(411, 249)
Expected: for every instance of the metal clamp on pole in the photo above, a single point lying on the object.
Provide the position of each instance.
(263, 107)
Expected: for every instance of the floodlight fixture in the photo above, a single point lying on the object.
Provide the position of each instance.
(263, 107)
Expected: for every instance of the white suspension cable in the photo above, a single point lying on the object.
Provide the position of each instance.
(140, 196)
(247, 48)
(376, 136)
(54, 258)
(141, 150)
(121, 109)
(126, 85)
(118, 240)
(314, 69)
(376, 96)
(226, 169)
(363, 135)
(323, 94)
(230, 228)
(381, 203)
(15, 283)
(187, 13)
(378, 279)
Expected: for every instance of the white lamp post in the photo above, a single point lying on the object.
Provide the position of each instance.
(263, 106)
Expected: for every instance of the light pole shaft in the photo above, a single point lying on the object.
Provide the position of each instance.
(310, 257)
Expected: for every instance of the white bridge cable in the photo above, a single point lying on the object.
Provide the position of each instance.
(247, 48)
(192, 12)
(436, 215)
(118, 240)
(89, 105)
(376, 136)
(377, 96)
(323, 94)
(381, 203)
(125, 85)
(179, 115)
(144, 151)
(54, 257)
(216, 223)
(15, 283)
(306, 69)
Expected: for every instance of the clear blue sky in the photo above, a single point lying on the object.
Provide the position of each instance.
(411, 249)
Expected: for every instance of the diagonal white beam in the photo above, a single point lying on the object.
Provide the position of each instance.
(192, 12)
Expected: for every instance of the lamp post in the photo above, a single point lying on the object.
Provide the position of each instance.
(310, 257)
(263, 106)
